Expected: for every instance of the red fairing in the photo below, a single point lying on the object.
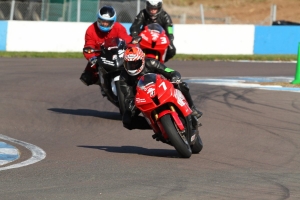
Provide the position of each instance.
(155, 93)
(154, 42)
(94, 37)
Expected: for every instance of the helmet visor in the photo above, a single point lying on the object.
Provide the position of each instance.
(153, 9)
(105, 23)
(134, 65)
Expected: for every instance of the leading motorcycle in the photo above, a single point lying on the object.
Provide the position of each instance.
(109, 64)
(168, 113)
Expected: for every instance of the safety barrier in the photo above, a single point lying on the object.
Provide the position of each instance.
(189, 39)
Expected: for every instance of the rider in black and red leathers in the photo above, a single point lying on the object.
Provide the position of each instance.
(138, 66)
(105, 27)
(154, 13)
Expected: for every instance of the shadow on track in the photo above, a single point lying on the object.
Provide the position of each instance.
(88, 112)
(139, 121)
(136, 150)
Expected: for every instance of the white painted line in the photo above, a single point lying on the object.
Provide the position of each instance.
(244, 82)
(262, 61)
(9, 151)
(38, 154)
(3, 162)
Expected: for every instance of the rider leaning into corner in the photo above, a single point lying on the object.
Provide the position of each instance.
(136, 65)
(105, 27)
(154, 13)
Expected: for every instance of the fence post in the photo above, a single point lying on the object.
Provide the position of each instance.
(227, 20)
(12, 10)
(42, 10)
(202, 14)
(273, 13)
(183, 18)
(78, 10)
(138, 5)
(297, 74)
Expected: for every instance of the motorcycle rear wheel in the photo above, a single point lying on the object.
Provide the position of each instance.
(121, 98)
(181, 144)
(197, 147)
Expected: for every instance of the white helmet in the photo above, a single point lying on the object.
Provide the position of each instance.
(153, 4)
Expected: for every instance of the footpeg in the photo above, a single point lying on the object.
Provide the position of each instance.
(154, 136)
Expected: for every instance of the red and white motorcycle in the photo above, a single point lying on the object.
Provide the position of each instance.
(154, 42)
(168, 113)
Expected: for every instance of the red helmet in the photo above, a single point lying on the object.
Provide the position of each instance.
(134, 60)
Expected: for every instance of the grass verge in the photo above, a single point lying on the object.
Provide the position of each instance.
(183, 57)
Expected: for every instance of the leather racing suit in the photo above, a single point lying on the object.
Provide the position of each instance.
(128, 86)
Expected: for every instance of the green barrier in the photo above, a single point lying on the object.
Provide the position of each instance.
(297, 74)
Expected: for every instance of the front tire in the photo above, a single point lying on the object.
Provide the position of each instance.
(180, 143)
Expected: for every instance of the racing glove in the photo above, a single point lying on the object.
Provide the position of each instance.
(176, 79)
(136, 39)
(93, 60)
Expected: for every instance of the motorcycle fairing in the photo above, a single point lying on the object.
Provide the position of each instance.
(154, 42)
(112, 54)
(156, 91)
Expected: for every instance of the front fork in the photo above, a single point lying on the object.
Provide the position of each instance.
(179, 126)
(190, 132)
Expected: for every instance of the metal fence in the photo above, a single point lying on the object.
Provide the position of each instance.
(205, 15)
(67, 10)
(86, 10)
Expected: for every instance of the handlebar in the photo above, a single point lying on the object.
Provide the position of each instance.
(90, 50)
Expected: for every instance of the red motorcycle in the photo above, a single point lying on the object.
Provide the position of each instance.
(154, 42)
(168, 113)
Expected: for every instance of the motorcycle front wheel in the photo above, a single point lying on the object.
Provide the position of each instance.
(179, 142)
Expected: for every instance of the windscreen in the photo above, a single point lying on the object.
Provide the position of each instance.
(155, 27)
(111, 43)
(146, 80)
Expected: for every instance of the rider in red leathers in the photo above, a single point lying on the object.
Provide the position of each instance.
(105, 27)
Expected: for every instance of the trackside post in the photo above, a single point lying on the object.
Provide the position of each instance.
(297, 74)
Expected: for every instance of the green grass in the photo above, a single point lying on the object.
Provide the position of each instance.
(40, 54)
(177, 57)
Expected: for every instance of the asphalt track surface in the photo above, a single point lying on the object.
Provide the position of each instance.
(251, 138)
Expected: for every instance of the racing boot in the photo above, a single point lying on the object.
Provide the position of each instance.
(103, 92)
(184, 88)
(196, 112)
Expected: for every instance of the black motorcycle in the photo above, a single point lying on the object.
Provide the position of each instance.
(109, 65)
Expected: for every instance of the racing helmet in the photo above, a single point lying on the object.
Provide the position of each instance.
(153, 4)
(106, 18)
(134, 60)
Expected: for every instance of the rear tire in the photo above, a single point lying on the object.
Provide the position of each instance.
(121, 98)
(181, 144)
(197, 147)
